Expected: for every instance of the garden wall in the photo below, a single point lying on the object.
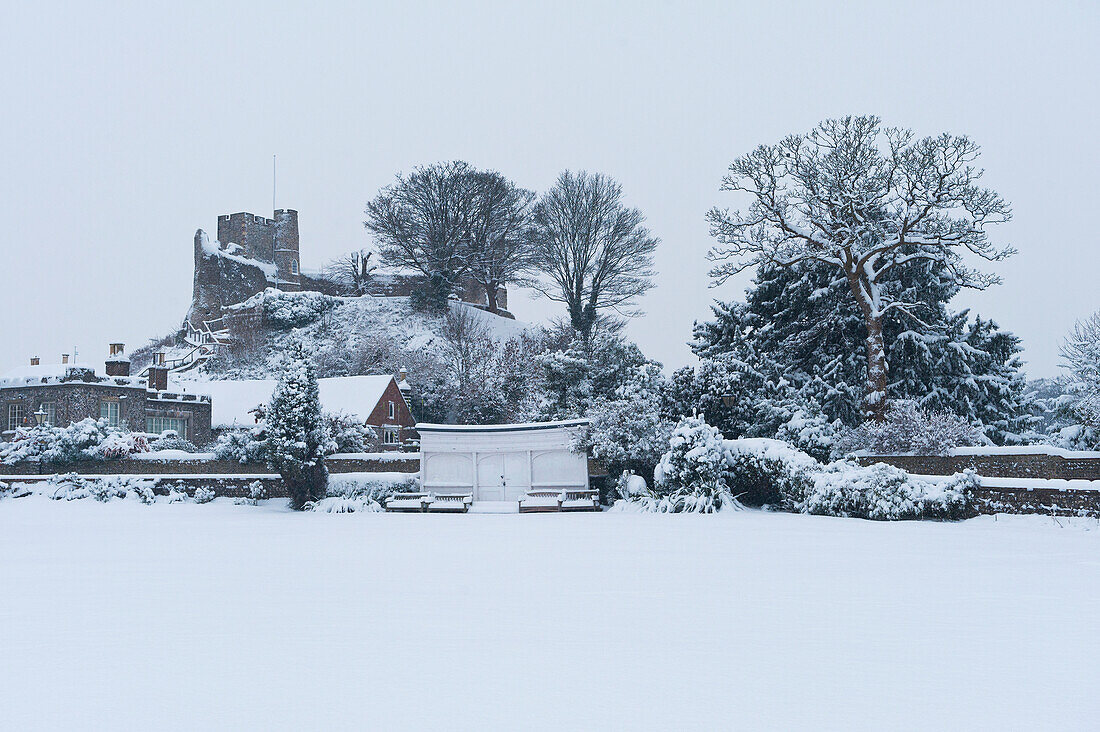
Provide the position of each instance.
(1005, 463)
(342, 463)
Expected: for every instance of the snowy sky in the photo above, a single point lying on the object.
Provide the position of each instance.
(126, 128)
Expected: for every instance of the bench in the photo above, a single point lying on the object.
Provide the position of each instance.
(408, 502)
(450, 502)
(541, 500)
(581, 500)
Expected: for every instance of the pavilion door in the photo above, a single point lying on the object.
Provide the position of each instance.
(502, 476)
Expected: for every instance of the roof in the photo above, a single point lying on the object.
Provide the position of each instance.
(232, 401)
(47, 373)
(529, 426)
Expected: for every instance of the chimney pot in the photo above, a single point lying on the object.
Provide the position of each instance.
(34, 361)
(64, 358)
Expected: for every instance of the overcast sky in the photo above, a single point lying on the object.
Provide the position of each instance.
(124, 129)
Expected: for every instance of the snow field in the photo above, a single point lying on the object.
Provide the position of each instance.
(183, 616)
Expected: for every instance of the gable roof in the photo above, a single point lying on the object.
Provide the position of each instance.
(231, 401)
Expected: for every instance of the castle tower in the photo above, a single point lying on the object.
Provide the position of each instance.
(255, 234)
(286, 249)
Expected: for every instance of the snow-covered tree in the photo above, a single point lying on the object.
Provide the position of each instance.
(692, 476)
(594, 251)
(909, 429)
(297, 435)
(501, 251)
(864, 200)
(1076, 407)
(422, 222)
(352, 272)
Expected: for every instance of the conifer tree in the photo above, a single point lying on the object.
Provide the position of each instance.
(298, 435)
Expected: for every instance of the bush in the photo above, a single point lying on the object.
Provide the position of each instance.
(358, 492)
(883, 493)
(349, 433)
(245, 445)
(88, 440)
(286, 310)
(692, 475)
(908, 429)
(761, 472)
(204, 494)
(170, 440)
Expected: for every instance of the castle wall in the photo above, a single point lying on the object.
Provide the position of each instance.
(286, 249)
(221, 281)
(255, 234)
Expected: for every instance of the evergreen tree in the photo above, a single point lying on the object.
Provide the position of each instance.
(813, 335)
(298, 436)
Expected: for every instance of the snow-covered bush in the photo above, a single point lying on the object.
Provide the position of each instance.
(83, 441)
(288, 310)
(204, 494)
(692, 476)
(177, 496)
(884, 493)
(72, 487)
(362, 493)
(170, 440)
(256, 493)
(349, 433)
(908, 429)
(142, 489)
(762, 472)
(630, 486)
(243, 445)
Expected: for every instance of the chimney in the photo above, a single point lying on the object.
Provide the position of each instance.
(117, 363)
(34, 360)
(403, 382)
(158, 373)
(64, 358)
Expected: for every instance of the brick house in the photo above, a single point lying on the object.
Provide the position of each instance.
(376, 401)
(69, 392)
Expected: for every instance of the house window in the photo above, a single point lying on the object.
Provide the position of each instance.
(108, 410)
(391, 435)
(393, 410)
(16, 414)
(294, 266)
(50, 408)
(158, 425)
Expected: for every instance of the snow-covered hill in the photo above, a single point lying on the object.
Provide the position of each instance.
(347, 336)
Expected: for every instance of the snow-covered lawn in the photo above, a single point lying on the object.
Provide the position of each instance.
(126, 616)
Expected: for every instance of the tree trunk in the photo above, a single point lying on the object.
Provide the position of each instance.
(491, 298)
(874, 404)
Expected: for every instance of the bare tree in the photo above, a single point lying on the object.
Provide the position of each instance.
(352, 272)
(422, 222)
(864, 199)
(501, 253)
(593, 250)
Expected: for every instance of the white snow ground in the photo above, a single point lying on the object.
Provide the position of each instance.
(125, 616)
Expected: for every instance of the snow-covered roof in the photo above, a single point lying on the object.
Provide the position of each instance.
(232, 401)
(43, 373)
(426, 427)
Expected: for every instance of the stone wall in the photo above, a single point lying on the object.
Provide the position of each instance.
(1051, 501)
(76, 400)
(343, 464)
(1004, 465)
(220, 281)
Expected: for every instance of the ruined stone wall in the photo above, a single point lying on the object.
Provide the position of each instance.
(220, 281)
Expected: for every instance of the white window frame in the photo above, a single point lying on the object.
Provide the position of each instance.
(391, 435)
(17, 412)
(111, 405)
(393, 410)
(50, 408)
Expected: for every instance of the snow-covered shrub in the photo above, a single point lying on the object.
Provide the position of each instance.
(177, 496)
(256, 493)
(361, 492)
(204, 494)
(142, 489)
(243, 445)
(83, 441)
(692, 476)
(349, 433)
(288, 310)
(762, 472)
(630, 486)
(908, 429)
(170, 440)
(884, 493)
